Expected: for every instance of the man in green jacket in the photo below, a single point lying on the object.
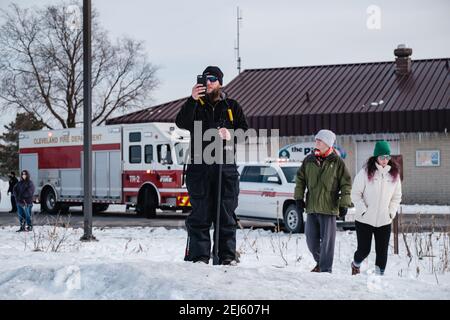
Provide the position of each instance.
(327, 182)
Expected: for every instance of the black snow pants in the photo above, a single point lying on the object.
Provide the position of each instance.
(202, 184)
(364, 233)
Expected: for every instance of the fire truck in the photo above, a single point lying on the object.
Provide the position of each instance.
(139, 165)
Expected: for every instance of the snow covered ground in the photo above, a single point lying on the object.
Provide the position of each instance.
(147, 263)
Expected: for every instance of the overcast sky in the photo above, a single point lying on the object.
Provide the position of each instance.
(183, 37)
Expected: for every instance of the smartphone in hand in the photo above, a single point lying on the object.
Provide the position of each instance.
(201, 79)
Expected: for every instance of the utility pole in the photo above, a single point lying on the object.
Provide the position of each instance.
(87, 122)
(239, 18)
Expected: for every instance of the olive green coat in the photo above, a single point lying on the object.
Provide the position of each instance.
(327, 187)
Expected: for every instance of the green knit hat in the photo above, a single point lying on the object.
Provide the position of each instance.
(382, 148)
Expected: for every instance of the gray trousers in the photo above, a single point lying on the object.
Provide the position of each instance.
(320, 233)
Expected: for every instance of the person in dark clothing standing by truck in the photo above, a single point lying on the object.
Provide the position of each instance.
(23, 192)
(12, 183)
(210, 108)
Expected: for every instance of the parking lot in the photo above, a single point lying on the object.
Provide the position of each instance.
(167, 219)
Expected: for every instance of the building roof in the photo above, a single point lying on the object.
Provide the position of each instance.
(346, 98)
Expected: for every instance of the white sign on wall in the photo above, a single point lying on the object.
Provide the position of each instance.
(428, 158)
(297, 151)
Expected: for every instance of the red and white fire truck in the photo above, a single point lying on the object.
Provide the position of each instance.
(139, 165)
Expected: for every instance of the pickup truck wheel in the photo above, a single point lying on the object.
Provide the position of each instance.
(293, 220)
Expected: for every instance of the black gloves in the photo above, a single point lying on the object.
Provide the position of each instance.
(342, 212)
(300, 205)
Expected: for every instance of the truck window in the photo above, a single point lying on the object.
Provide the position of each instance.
(164, 154)
(290, 173)
(181, 152)
(135, 137)
(135, 154)
(267, 172)
(251, 174)
(148, 153)
(258, 174)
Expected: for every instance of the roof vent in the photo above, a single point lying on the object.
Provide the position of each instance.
(403, 61)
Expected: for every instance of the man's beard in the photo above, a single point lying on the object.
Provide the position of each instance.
(213, 95)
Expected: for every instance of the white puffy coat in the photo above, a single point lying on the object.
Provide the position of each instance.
(376, 201)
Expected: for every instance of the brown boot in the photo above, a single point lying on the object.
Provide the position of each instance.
(316, 269)
(355, 270)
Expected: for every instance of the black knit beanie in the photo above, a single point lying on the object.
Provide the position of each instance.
(214, 71)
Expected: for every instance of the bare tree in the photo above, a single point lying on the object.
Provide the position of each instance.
(41, 68)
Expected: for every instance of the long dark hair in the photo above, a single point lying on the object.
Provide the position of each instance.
(371, 168)
(27, 173)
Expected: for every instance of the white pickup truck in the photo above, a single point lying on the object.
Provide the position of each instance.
(267, 194)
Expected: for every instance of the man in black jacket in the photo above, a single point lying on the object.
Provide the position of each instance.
(210, 108)
(12, 182)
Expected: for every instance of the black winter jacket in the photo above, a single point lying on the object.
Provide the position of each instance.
(23, 192)
(12, 183)
(212, 116)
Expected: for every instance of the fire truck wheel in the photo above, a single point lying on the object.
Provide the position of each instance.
(293, 220)
(147, 203)
(48, 201)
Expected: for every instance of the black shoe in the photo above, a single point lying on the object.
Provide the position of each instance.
(22, 229)
(229, 262)
(355, 270)
(205, 260)
(30, 228)
(316, 269)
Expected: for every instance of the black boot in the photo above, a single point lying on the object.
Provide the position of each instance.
(229, 262)
(355, 270)
(22, 229)
(204, 260)
(316, 268)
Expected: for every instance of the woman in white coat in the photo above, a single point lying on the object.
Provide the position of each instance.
(376, 194)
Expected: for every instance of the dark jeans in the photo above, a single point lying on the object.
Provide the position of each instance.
(24, 213)
(320, 233)
(202, 185)
(364, 233)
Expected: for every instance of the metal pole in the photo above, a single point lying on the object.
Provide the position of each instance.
(87, 126)
(239, 58)
(396, 231)
(217, 226)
